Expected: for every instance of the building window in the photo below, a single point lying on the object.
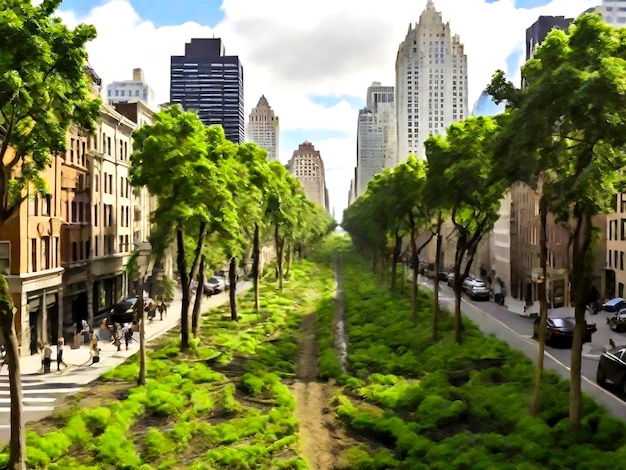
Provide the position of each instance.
(45, 252)
(33, 255)
(74, 251)
(5, 257)
(73, 215)
(95, 215)
(96, 246)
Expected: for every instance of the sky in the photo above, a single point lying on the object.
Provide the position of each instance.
(313, 61)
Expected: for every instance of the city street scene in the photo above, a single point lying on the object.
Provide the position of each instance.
(398, 243)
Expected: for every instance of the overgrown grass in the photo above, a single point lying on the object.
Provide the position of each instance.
(222, 405)
(441, 405)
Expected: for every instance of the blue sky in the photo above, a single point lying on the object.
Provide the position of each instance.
(312, 60)
(162, 12)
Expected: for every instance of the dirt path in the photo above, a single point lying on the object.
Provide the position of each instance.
(321, 442)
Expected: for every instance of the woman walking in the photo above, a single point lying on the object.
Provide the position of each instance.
(60, 344)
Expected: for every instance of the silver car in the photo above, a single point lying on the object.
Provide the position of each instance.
(475, 289)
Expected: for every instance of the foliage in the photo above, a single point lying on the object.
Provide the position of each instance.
(440, 404)
(190, 410)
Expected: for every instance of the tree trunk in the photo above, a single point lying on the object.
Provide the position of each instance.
(195, 315)
(256, 253)
(289, 259)
(435, 330)
(280, 244)
(17, 447)
(232, 291)
(415, 259)
(184, 280)
(141, 380)
(197, 251)
(582, 273)
(397, 249)
(543, 307)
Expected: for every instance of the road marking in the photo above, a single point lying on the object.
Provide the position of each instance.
(43, 390)
(27, 409)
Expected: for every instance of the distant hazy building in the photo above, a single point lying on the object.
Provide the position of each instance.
(128, 91)
(613, 12)
(263, 128)
(307, 166)
(376, 135)
(211, 82)
(431, 82)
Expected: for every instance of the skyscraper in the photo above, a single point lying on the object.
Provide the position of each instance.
(307, 166)
(431, 82)
(129, 91)
(538, 31)
(211, 82)
(376, 142)
(263, 128)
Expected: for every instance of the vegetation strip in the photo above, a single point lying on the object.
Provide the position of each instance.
(418, 403)
(225, 404)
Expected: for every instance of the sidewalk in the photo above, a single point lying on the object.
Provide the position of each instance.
(79, 360)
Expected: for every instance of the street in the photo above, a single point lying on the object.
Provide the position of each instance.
(517, 331)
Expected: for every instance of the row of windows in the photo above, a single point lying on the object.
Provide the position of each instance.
(108, 149)
(77, 149)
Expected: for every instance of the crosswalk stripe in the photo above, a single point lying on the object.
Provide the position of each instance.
(43, 391)
(26, 409)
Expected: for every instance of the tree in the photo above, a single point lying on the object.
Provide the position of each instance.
(466, 161)
(573, 115)
(43, 89)
(132, 270)
(180, 161)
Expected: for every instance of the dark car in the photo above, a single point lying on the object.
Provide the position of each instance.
(562, 329)
(612, 366)
(127, 310)
(614, 305)
(617, 322)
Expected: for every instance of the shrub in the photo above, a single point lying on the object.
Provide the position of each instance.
(96, 419)
(155, 445)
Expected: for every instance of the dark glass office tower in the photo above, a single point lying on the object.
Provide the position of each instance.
(209, 81)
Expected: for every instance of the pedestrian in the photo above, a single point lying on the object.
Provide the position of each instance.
(3, 357)
(60, 346)
(128, 335)
(84, 332)
(94, 350)
(162, 309)
(46, 357)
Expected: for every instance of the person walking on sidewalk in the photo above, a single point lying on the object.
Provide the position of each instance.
(94, 350)
(46, 358)
(60, 346)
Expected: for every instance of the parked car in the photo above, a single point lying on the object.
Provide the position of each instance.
(215, 285)
(451, 279)
(475, 288)
(127, 310)
(614, 305)
(617, 322)
(612, 366)
(443, 274)
(562, 329)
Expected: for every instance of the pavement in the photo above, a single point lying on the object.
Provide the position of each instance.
(79, 363)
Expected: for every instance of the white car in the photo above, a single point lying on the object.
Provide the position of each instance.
(215, 285)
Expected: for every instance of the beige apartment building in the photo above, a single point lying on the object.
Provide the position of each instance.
(307, 166)
(112, 207)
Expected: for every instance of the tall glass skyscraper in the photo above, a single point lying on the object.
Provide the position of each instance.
(211, 82)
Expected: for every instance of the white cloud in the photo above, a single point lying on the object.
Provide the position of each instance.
(292, 50)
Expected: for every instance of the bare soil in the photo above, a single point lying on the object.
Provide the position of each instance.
(322, 440)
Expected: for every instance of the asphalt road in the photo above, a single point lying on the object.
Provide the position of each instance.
(517, 331)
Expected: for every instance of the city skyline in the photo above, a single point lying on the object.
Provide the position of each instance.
(317, 90)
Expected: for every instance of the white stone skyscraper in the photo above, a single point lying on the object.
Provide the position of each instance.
(263, 128)
(431, 82)
(376, 131)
